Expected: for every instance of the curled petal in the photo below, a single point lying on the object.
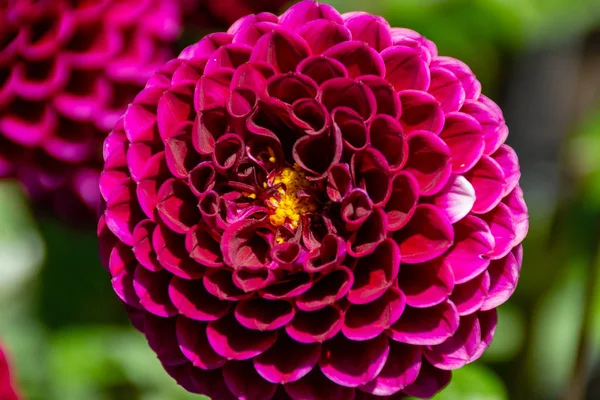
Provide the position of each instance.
(402, 203)
(456, 199)
(375, 273)
(219, 282)
(367, 321)
(385, 95)
(503, 228)
(326, 290)
(247, 243)
(353, 364)
(193, 300)
(463, 135)
(366, 239)
(233, 341)
(371, 29)
(420, 111)
(329, 255)
(316, 326)
(322, 69)
(426, 326)
(152, 290)
(447, 89)
(430, 381)
(506, 157)
(467, 79)
(176, 206)
(427, 235)
(487, 179)
(458, 350)
(473, 241)
(172, 254)
(339, 182)
(428, 161)
(504, 274)
(282, 49)
(518, 209)
(321, 35)
(356, 208)
(305, 12)
(287, 361)
(358, 58)
(401, 369)
(193, 342)
(244, 382)
(405, 68)
(344, 92)
(264, 315)
(428, 284)
(469, 296)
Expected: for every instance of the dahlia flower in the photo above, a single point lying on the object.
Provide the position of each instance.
(68, 69)
(7, 391)
(312, 206)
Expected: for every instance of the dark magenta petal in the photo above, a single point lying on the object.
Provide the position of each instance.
(427, 235)
(518, 209)
(229, 56)
(355, 209)
(245, 383)
(428, 161)
(235, 342)
(162, 338)
(463, 135)
(504, 274)
(194, 301)
(326, 290)
(495, 131)
(177, 206)
(366, 239)
(375, 273)
(456, 199)
(405, 68)
(282, 49)
(142, 248)
(247, 243)
(316, 386)
(174, 108)
(506, 157)
(172, 254)
(264, 315)
(426, 285)
(229, 150)
(138, 157)
(352, 128)
(371, 173)
(122, 267)
(287, 361)
(401, 369)
(371, 29)
(469, 296)
(320, 35)
(154, 175)
(344, 92)
(367, 321)
(317, 153)
(180, 154)
(209, 125)
(202, 178)
(502, 225)
(310, 115)
(420, 111)
(473, 241)
(402, 203)
(358, 58)
(294, 285)
(488, 320)
(152, 288)
(251, 279)
(316, 326)
(353, 364)
(447, 89)
(212, 90)
(426, 326)
(122, 214)
(287, 254)
(315, 228)
(329, 255)
(458, 350)
(290, 87)
(385, 95)
(219, 282)
(304, 12)
(387, 136)
(193, 342)
(467, 79)
(322, 69)
(430, 381)
(339, 182)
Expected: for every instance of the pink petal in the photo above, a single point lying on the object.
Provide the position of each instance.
(233, 341)
(426, 285)
(426, 326)
(194, 301)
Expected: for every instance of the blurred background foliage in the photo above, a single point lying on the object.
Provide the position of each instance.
(540, 60)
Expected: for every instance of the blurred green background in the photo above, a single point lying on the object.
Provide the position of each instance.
(540, 60)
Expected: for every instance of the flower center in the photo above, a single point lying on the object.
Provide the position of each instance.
(290, 200)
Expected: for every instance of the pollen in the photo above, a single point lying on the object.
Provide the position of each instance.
(286, 205)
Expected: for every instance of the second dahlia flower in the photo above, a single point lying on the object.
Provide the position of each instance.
(68, 69)
(7, 389)
(313, 206)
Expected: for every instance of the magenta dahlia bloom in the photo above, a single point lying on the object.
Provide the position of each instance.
(68, 69)
(7, 389)
(313, 206)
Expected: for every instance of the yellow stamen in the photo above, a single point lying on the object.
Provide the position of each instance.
(288, 208)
